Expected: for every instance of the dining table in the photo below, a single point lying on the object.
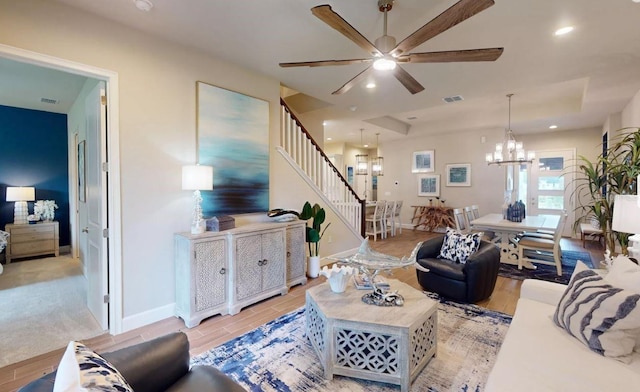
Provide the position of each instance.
(506, 231)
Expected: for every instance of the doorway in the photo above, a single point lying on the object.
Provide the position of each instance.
(108, 162)
(550, 185)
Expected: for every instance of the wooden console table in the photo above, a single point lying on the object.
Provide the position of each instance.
(432, 217)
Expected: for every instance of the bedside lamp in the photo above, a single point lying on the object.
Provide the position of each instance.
(21, 195)
(626, 219)
(197, 178)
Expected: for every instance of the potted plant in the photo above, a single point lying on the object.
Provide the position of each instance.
(615, 172)
(313, 235)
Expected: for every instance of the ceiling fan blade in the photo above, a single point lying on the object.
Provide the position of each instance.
(355, 80)
(455, 14)
(407, 80)
(323, 63)
(330, 17)
(450, 56)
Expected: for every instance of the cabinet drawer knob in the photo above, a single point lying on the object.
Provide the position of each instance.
(260, 262)
(264, 262)
(288, 254)
(223, 271)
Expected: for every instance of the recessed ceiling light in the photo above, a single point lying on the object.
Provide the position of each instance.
(366, 145)
(555, 126)
(564, 30)
(324, 123)
(329, 138)
(371, 85)
(143, 5)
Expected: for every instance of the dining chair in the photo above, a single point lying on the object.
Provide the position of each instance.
(468, 215)
(396, 221)
(476, 211)
(460, 220)
(374, 222)
(540, 246)
(387, 221)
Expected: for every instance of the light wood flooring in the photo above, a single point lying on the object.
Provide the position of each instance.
(219, 329)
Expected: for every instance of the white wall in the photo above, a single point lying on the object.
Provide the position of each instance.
(631, 113)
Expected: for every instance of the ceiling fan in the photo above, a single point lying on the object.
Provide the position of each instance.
(386, 55)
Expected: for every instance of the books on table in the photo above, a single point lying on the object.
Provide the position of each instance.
(362, 282)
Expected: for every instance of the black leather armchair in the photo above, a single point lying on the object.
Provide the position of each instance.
(470, 282)
(158, 365)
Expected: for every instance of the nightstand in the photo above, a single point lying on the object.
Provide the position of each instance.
(32, 240)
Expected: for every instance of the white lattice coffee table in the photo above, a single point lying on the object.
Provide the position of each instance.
(388, 344)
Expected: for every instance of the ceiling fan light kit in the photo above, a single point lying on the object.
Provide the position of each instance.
(387, 56)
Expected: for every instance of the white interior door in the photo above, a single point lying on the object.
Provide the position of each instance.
(96, 256)
(551, 185)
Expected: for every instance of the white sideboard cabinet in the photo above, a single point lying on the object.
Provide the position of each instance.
(223, 272)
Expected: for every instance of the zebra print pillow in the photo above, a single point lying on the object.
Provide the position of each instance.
(604, 318)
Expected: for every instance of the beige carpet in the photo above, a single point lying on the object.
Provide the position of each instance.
(42, 307)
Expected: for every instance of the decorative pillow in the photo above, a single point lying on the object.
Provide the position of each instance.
(81, 370)
(604, 318)
(459, 247)
(624, 273)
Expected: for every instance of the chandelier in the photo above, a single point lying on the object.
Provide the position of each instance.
(362, 160)
(377, 163)
(510, 151)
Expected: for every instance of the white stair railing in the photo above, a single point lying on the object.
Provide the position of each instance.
(319, 171)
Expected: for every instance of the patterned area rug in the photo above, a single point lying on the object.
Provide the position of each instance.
(548, 272)
(278, 356)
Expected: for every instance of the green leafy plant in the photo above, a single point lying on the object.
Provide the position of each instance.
(313, 234)
(614, 172)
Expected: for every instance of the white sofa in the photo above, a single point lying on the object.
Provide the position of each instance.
(537, 355)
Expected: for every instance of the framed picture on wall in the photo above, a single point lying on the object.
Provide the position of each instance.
(82, 175)
(233, 137)
(429, 185)
(349, 174)
(423, 162)
(459, 174)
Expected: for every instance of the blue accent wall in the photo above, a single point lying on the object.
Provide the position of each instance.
(34, 152)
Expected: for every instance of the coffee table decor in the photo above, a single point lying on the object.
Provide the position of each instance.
(370, 263)
(338, 277)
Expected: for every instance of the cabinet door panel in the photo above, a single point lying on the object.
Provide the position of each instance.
(273, 272)
(210, 274)
(249, 271)
(295, 252)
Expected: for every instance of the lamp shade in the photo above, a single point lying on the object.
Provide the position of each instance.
(626, 214)
(21, 193)
(197, 178)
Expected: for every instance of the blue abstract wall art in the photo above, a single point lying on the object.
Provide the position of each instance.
(233, 137)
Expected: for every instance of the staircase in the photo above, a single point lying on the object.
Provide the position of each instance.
(313, 165)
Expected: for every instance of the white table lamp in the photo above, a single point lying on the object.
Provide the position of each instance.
(626, 219)
(197, 178)
(21, 195)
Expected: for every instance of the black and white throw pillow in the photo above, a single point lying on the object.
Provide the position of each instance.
(603, 317)
(459, 247)
(82, 370)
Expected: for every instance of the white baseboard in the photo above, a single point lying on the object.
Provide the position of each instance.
(148, 317)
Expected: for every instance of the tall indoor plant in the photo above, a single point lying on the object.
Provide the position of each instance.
(614, 172)
(313, 235)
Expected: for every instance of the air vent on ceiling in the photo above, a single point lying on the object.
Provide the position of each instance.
(455, 98)
(49, 100)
